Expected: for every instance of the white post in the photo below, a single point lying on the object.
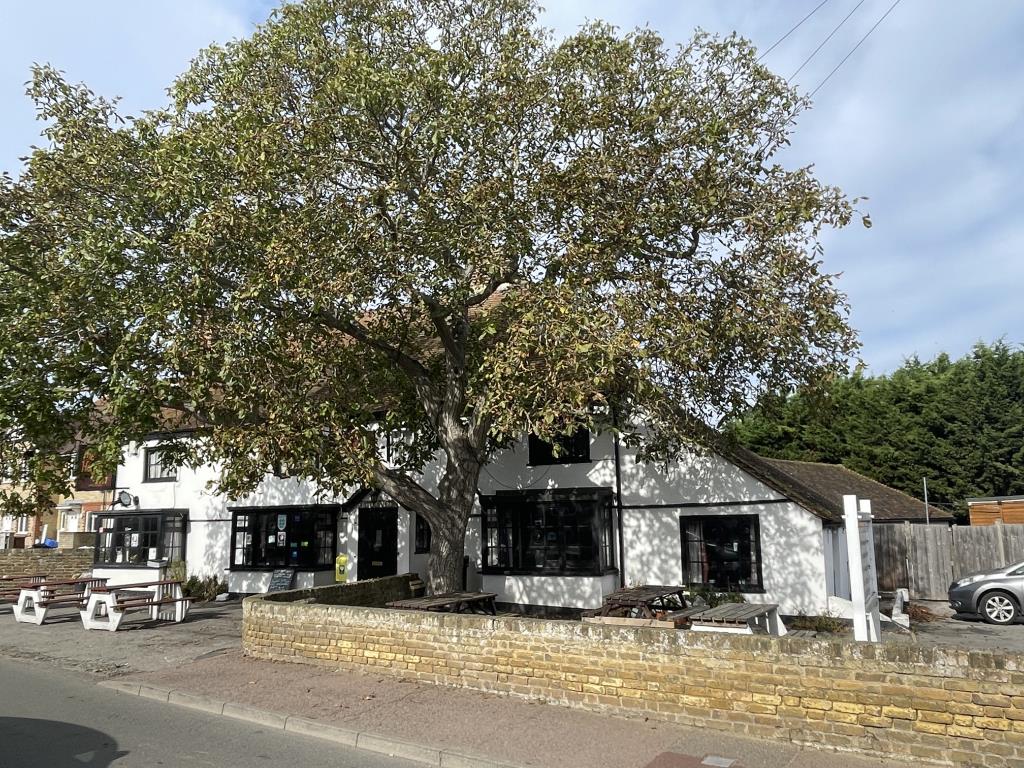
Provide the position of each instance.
(861, 557)
(867, 543)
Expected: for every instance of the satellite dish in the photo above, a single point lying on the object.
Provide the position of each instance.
(124, 499)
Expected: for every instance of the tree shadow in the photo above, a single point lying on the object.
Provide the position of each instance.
(33, 743)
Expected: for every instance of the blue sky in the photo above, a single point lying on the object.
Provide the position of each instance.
(925, 119)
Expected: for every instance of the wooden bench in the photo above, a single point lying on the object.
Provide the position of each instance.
(450, 602)
(35, 600)
(739, 618)
(107, 606)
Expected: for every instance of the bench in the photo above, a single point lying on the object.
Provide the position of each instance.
(107, 606)
(739, 618)
(35, 600)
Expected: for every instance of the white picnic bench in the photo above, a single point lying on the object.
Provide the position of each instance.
(106, 606)
(36, 599)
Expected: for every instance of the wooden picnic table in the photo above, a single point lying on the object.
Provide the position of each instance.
(450, 602)
(646, 602)
(739, 618)
(107, 605)
(31, 577)
(36, 599)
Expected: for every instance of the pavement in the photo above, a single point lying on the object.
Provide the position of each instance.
(198, 665)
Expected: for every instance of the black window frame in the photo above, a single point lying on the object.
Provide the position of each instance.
(756, 554)
(147, 464)
(548, 532)
(575, 449)
(323, 539)
(156, 525)
(422, 535)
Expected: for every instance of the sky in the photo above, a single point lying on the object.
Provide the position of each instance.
(925, 120)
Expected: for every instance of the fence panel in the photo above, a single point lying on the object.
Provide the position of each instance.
(978, 548)
(930, 552)
(891, 557)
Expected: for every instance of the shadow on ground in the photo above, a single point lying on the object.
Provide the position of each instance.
(31, 743)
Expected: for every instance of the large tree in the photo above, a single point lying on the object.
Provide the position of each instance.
(422, 218)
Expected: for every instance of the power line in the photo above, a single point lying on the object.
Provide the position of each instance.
(830, 34)
(791, 31)
(854, 49)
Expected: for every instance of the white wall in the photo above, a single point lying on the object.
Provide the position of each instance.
(571, 591)
(792, 557)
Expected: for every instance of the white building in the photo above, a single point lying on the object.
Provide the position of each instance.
(548, 532)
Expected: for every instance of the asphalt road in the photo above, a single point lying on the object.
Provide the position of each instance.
(54, 719)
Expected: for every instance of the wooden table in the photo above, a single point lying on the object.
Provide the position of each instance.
(650, 602)
(450, 602)
(35, 600)
(107, 605)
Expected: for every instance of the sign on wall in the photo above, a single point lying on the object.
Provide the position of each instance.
(860, 547)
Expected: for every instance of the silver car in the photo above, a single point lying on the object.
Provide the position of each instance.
(996, 595)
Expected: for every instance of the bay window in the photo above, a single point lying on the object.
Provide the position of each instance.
(133, 538)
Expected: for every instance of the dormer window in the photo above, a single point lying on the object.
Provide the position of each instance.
(572, 449)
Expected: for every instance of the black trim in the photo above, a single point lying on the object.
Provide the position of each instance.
(548, 573)
(703, 504)
(618, 504)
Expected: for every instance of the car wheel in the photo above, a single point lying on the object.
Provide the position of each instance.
(998, 608)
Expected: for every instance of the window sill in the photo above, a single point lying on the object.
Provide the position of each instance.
(565, 463)
(160, 480)
(712, 588)
(272, 568)
(549, 573)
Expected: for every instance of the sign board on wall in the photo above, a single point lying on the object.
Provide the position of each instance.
(860, 547)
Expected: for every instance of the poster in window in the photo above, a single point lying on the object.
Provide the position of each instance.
(282, 539)
(134, 540)
(282, 522)
(271, 538)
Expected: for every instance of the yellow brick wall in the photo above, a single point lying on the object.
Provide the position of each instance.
(941, 705)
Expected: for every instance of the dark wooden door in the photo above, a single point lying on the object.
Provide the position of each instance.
(378, 542)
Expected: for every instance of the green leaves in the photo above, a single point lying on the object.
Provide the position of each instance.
(421, 215)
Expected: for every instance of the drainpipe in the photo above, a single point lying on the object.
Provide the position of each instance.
(618, 504)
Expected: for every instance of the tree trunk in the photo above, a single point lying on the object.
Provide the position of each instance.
(456, 494)
(447, 549)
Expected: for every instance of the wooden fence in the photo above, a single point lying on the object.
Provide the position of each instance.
(926, 558)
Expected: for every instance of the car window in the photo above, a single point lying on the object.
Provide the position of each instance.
(1017, 572)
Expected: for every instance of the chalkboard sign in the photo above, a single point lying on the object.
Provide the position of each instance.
(281, 579)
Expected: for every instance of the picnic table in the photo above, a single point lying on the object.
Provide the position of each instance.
(650, 602)
(450, 602)
(108, 604)
(37, 598)
(739, 618)
(11, 584)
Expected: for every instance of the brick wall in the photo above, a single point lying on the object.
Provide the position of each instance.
(942, 705)
(57, 563)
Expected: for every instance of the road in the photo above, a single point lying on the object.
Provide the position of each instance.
(53, 719)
